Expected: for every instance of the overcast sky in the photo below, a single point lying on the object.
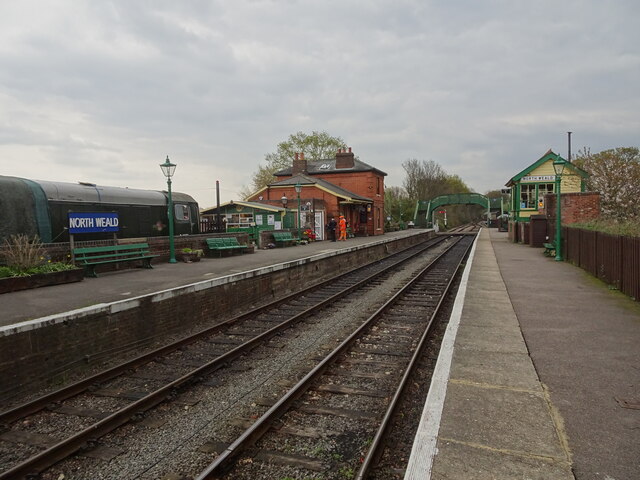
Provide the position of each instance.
(102, 91)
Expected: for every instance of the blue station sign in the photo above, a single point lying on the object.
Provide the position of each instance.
(92, 222)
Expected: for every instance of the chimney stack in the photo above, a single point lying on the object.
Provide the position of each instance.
(299, 164)
(345, 159)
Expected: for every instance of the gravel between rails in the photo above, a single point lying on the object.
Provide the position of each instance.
(167, 443)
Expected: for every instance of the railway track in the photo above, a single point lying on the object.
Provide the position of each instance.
(342, 410)
(124, 393)
(473, 228)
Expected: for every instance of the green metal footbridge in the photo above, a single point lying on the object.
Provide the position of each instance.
(423, 216)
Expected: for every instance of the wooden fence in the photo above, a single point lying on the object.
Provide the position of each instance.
(614, 259)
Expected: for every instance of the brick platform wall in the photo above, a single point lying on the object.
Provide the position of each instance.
(46, 351)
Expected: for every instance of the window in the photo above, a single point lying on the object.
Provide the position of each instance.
(528, 195)
(239, 220)
(181, 212)
(545, 188)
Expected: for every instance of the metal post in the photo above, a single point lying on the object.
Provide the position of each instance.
(298, 215)
(218, 218)
(488, 212)
(558, 221)
(172, 248)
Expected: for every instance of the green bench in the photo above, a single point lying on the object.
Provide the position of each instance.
(549, 249)
(282, 239)
(225, 244)
(90, 257)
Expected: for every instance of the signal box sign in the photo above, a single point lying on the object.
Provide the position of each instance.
(93, 222)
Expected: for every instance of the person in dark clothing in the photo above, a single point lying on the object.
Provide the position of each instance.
(331, 226)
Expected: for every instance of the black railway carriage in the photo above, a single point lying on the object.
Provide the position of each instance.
(41, 208)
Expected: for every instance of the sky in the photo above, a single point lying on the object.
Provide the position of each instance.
(104, 91)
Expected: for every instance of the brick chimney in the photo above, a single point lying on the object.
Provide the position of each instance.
(299, 164)
(345, 159)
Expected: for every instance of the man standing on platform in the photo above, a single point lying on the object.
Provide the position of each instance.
(343, 228)
(331, 226)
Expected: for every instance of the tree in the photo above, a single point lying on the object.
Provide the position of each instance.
(427, 180)
(615, 173)
(423, 180)
(315, 146)
(398, 205)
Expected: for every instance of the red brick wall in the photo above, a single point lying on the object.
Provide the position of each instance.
(366, 184)
(575, 207)
(47, 352)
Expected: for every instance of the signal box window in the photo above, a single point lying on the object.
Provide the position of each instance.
(544, 189)
(528, 195)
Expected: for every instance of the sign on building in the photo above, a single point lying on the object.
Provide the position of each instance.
(538, 178)
(93, 222)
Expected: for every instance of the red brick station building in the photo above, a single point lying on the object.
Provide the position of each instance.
(329, 188)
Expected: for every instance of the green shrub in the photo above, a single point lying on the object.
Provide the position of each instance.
(6, 272)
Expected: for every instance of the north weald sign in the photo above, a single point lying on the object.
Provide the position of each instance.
(93, 222)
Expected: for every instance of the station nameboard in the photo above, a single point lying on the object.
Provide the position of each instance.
(91, 222)
(538, 178)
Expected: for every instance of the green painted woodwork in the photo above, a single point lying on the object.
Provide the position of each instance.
(90, 257)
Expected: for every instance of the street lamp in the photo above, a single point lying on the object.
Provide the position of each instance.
(298, 188)
(284, 201)
(558, 167)
(168, 168)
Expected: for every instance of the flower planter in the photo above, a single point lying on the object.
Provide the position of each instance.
(14, 284)
(189, 257)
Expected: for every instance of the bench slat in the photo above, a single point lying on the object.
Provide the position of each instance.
(113, 248)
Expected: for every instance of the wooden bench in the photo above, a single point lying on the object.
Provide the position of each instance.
(90, 257)
(549, 249)
(225, 244)
(282, 239)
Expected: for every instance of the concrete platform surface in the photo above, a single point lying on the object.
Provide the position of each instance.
(539, 356)
(109, 287)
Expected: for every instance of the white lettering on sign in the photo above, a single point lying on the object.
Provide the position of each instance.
(538, 178)
(102, 222)
(81, 222)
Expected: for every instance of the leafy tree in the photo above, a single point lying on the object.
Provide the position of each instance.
(398, 205)
(615, 173)
(315, 146)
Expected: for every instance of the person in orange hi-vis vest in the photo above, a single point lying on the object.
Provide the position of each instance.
(342, 225)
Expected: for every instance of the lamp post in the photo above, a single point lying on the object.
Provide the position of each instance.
(558, 167)
(284, 201)
(168, 168)
(298, 188)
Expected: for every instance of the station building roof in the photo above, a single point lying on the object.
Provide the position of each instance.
(549, 156)
(232, 203)
(328, 165)
(307, 181)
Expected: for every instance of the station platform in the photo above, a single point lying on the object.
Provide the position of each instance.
(539, 376)
(110, 287)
